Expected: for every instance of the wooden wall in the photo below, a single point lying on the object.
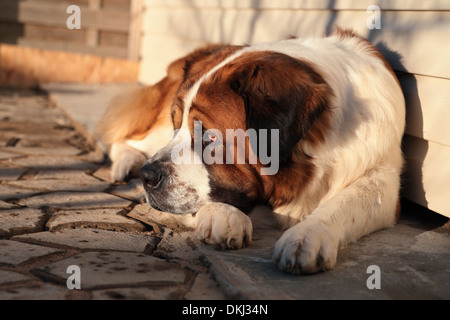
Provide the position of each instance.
(414, 36)
(27, 67)
(36, 46)
(108, 27)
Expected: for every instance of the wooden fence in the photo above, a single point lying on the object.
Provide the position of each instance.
(109, 28)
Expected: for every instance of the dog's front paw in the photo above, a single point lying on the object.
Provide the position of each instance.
(307, 247)
(126, 162)
(224, 226)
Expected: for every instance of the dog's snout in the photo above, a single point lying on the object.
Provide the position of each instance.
(151, 174)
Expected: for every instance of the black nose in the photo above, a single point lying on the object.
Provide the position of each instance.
(151, 174)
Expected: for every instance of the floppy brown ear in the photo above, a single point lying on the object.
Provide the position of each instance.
(280, 92)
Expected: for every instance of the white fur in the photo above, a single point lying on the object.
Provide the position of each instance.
(360, 161)
(125, 160)
(157, 139)
(129, 155)
(192, 174)
(223, 225)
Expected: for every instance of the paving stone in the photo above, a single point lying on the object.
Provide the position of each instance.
(28, 104)
(107, 219)
(159, 219)
(43, 151)
(103, 173)
(6, 205)
(433, 242)
(96, 156)
(10, 192)
(75, 200)
(38, 138)
(5, 155)
(205, 288)
(133, 190)
(28, 127)
(60, 174)
(8, 173)
(40, 291)
(100, 270)
(87, 185)
(51, 163)
(33, 108)
(28, 134)
(181, 246)
(19, 221)
(93, 239)
(176, 292)
(9, 277)
(13, 253)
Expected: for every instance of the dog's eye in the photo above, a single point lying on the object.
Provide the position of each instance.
(212, 138)
(209, 138)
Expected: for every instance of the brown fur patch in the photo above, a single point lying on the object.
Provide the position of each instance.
(197, 64)
(264, 90)
(281, 92)
(133, 114)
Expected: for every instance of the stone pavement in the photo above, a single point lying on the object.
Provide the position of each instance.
(59, 208)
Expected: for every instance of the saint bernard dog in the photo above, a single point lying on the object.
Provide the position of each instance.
(339, 114)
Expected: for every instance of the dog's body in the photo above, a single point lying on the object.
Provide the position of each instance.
(339, 112)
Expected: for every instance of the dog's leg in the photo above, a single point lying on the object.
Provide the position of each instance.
(129, 155)
(126, 161)
(367, 205)
(223, 225)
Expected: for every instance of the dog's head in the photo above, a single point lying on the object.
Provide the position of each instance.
(238, 116)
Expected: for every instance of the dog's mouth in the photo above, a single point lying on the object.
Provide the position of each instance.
(153, 203)
(160, 203)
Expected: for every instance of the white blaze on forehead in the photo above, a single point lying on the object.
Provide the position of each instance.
(193, 91)
(193, 172)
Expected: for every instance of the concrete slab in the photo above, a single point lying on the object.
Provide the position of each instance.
(35, 291)
(86, 185)
(106, 219)
(405, 273)
(85, 103)
(99, 270)
(18, 221)
(14, 253)
(9, 277)
(9, 192)
(53, 163)
(74, 200)
(9, 173)
(92, 239)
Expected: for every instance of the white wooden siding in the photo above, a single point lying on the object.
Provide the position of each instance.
(414, 36)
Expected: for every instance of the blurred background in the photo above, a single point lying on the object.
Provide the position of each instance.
(132, 41)
(37, 46)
